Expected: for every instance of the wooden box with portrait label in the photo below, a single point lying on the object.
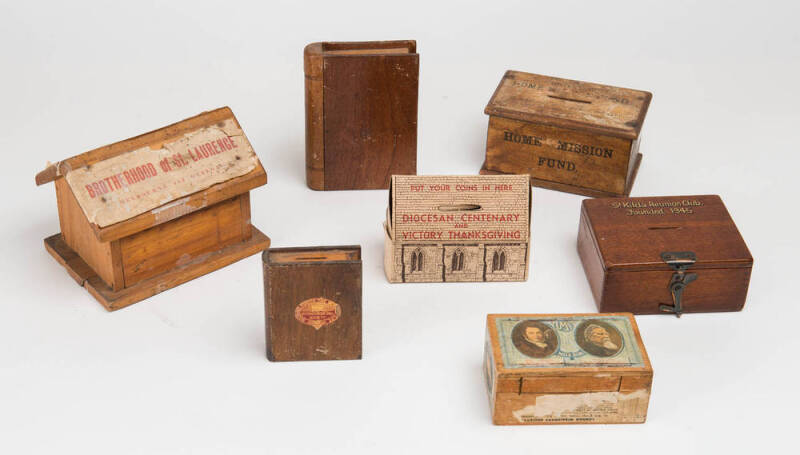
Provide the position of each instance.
(566, 369)
(146, 214)
(571, 136)
(457, 228)
(669, 255)
(312, 300)
(361, 113)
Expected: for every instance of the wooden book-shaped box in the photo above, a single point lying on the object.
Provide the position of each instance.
(312, 302)
(149, 213)
(666, 255)
(361, 113)
(568, 135)
(566, 368)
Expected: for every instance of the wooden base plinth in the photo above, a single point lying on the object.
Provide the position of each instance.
(111, 300)
(550, 185)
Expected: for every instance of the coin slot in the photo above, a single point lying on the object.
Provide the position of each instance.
(661, 228)
(335, 254)
(459, 207)
(574, 100)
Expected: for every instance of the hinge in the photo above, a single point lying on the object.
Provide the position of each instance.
(679, 261)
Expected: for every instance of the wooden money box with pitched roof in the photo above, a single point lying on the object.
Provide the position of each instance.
(149, 213)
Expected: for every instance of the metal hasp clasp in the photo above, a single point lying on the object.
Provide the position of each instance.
(679, 261)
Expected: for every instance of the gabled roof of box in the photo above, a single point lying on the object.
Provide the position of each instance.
(147, 180)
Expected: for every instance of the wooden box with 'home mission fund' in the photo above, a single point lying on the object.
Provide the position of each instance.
(148, 213)
(568, 135)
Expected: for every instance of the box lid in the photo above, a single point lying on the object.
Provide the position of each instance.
(632, 233)
(315, 51)
(312, 255)
(565, 103)
(132, 185)
(459, 208)
(536, 346)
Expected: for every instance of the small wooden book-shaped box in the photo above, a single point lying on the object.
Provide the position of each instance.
(146, 214)
(568, 135)
(312, 299)
(566, 368)
(361, 113)
(457, 228)
(668, 255)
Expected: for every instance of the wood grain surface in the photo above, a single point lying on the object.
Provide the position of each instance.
(361, 113)
(621, 253)
(115, 299)
(301, 274)
(568, 135)
(546, 162)
(80, 237)
(564, 103)
(139, 257)
(161, 248)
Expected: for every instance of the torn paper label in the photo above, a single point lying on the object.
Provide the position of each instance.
(134, 182)
(593, 407)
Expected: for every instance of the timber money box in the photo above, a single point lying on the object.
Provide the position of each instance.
(669, 255)
(568, 135)
(457, 228)
(361, 113)
(312, 301)
(566, 368)
(149, 213)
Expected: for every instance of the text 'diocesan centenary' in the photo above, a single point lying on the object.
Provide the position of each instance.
(461, 208)
(134, 182)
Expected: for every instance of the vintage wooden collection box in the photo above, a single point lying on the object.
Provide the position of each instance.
(566, 368)
(312, 299)
(361, 113)
(669, 255)
(568, 135)
(457, 228)
(146, 214)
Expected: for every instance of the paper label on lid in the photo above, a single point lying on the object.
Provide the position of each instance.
(144, 179)
(568, 341)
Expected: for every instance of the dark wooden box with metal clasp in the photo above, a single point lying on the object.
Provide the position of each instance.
(669, 255)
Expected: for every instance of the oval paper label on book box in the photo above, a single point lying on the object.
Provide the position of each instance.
(317, 312)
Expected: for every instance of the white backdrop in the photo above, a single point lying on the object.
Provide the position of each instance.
(185, 371)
